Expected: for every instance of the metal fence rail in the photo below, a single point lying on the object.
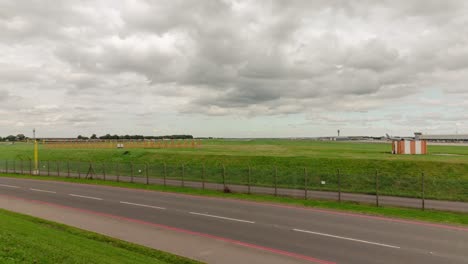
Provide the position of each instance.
(328, 183)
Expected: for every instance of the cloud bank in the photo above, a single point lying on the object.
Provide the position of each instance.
(233, 68)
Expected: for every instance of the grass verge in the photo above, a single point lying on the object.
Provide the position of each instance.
(435, 216)
(26, 239)
(281, 161)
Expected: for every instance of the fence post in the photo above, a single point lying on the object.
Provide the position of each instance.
(14, 166)
(146, 172)
(117, 171)
(423, 205)
(203, 176)
(30, 167)
(224, 177)
(6, 166)
(339, 184)
(57, 165)
(48, 168)
(305, 184)
(249, 180)
(21, 165)
(68, 169)
(104, 171)
(182, 183)
(90, 173)
(276, 181)
(377, 188)
(165, 174)
(131, 173)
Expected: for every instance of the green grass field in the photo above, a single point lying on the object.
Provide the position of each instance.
(446, 175)
(25, 239)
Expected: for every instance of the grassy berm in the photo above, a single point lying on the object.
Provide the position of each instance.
(26, 239)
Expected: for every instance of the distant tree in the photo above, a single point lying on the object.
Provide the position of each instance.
(20, 137)
(107, 136)
(11, 138)
(82, 138)
(93, 136)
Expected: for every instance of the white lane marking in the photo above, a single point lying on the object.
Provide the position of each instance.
(9, 186)
(345, 238)
(144, 205)
(39, 190)
(222, 217)
(82, 196)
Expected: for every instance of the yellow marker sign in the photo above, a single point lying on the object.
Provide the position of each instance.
(36, 158)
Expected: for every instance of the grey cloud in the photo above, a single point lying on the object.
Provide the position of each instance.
(4, 96)
(241, 58)
(15, 74)
(373, 55)
(25, 21)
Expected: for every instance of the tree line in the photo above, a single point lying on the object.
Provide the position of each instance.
(12, 138)
(138, 137)
(22, 137)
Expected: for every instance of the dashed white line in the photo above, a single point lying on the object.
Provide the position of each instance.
(9, 186)
(222, 217)
(143, 205)
(39, 190)
(87, 197)
(345, 238)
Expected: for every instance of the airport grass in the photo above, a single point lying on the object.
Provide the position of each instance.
(445, 168)
(351, 157)
(435, 216)
(26, 239)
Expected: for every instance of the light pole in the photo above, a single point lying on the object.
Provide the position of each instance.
(36, 154)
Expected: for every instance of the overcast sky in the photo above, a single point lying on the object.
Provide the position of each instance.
(233, 68)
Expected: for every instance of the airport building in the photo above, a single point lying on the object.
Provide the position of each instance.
(442, 137)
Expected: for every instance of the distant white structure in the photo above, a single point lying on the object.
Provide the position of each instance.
(442, 137)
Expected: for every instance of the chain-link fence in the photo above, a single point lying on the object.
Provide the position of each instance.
(307, 182)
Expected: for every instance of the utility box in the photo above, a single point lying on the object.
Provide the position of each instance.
(411, 147)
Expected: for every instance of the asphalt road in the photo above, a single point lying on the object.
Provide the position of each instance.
(298, 193)
(322, 236)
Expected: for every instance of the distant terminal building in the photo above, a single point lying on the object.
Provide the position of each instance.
(412, 147)
(350, 138)
(442, 137)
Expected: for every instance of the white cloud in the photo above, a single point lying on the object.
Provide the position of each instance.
(132, 65)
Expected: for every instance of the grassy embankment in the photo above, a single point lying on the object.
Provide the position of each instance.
(446, 176)
(26, 239)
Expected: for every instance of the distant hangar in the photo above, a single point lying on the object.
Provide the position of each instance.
(442, 137)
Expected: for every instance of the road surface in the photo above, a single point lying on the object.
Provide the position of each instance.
(311, 235)
(442, 205)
